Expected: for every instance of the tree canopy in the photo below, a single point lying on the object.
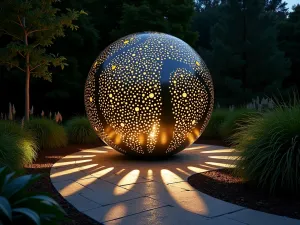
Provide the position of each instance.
(250, 46)
(33, 26)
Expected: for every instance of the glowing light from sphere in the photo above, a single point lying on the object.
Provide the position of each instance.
(149, 94)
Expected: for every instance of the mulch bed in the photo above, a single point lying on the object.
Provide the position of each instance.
(42, 166)
(222, 184)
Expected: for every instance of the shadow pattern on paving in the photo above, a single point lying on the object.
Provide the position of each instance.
(114, 189)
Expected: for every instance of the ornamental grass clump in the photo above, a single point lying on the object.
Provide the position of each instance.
(80, 131)
(213, 127)
(269, 149)
(48, 133)
(17, 147)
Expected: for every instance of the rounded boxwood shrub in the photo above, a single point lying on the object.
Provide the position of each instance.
(17, 147)
(80, 131)
(269, 149)
(213, 127)
(48, 133)
(234, 120)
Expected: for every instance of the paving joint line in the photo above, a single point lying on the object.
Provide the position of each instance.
(89, 200)
(147, 210)
(146, 181)
(129, 200)
(238, 221)
(238, 210)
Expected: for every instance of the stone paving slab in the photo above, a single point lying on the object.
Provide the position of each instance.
(82, 203)
(183, 185)
(170, 216)
(71, 173)
(197, 202)
(152, 188)
(162, 216)
(112, 188)
(105, 193)
(121, 180)
(123, 209)
(253, 217)
(68, 188)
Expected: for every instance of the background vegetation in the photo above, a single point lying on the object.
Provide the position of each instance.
(269, 149)
(252, 47)
(80, 131)
(17, 147)
(47, 132)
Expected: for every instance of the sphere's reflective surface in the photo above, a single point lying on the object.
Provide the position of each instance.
(149, 94)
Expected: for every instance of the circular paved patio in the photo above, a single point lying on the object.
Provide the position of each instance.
(114, 189)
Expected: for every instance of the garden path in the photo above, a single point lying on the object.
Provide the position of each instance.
(113, 189)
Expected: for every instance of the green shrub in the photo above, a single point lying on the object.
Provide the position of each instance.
(48, 133)
(212, 129)
(17, 147)
(269, 149)
(80, 131)
(233, 120)
(20, 207)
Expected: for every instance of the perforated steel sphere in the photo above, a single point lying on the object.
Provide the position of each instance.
(149, 94)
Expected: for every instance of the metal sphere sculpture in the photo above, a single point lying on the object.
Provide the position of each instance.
(149, 94)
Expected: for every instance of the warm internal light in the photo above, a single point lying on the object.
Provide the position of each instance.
(149, 94)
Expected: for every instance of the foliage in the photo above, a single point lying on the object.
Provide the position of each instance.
(234, 120)
(159, 16)
(80, 48)
(18, 206)
(289, 42)
(80, 131)
(48, 133)
(206, 16)
(33, 26)
(245, 58)
(269, 149)
(221, 43)
(17, 147)
(212, 130)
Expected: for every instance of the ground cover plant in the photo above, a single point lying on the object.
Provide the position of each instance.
(17, 147)
(47, 132)
(18, 206)
(80, 131)
(269, 149)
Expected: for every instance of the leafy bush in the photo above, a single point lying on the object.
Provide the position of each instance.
(233, 120)
(80, 131)
(48, 133)
(269, 149)
(17, 147)
(212, 129)
(18, 207)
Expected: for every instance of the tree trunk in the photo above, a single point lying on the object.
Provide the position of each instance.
(27, 83)
(27, 103)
